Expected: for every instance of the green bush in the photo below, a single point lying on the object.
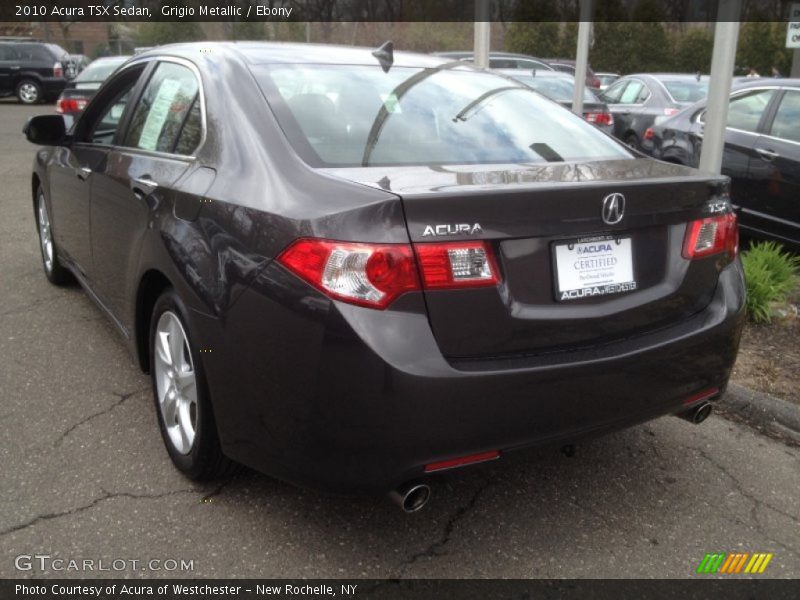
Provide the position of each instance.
(771, 275)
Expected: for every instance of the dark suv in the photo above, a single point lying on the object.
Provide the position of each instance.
(32, 71)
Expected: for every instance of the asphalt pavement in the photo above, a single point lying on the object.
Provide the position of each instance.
(85, 476)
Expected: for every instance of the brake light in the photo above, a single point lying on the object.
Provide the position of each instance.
(599, 118)
(462, 460)
(68, 106)
(454, 265)
(671, 111)
(595, 82)
(364, 274)
(58, 70)
(648, 133)
(713, 235)
(374, 275)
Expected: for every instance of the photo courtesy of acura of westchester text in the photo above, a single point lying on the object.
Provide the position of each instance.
(400, 298)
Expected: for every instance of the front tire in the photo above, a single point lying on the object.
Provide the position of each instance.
(185, 416)
(53, 270)
(29, 92)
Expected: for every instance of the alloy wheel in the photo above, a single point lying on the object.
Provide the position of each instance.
(176, 382)
(28, 93)
(45, 235)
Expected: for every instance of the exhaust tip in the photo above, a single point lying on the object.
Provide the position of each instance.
(702, 412)
(411, 497)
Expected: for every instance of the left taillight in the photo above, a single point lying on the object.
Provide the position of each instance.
(599, 118)
(58, 70)
(69, 106)
(374, 275)
(710, 236)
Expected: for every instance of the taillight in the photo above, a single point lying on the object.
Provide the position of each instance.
(454, 265)
(648, 133)
(594, 82)
(364, 274)
(70, 106)
(671, 111)
(58, 70)
(374, 275)
(599, 118)
(712, 235)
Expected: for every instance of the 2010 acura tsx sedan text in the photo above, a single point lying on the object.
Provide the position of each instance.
(350, 269)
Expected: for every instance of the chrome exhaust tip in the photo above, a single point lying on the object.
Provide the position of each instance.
(698, 414)
(411, 496)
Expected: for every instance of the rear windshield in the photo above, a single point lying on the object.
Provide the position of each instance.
(686, 90)
(555, 88)
(344, 115)
(99, 70)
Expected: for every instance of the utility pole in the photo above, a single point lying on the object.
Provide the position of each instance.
(482, 33)
(582, 55)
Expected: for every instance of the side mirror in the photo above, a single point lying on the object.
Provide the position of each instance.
(46, 130)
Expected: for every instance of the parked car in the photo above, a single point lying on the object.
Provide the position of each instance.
(640, 101)
(561, 87)
(761, 156)
(31, 70)
(568, 66)
(75, 64)
(502, 60)
(606, 79)
(352, 272)
(77, 93)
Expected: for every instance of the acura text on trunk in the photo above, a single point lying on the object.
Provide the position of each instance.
(351, 269)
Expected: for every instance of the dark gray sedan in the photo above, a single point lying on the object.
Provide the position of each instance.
(640, 101)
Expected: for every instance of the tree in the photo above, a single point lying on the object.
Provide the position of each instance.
(693, 50)
(168, 32)
(761, 46)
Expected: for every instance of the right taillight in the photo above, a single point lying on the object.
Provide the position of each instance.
(58, 70)
(374, 275)
(710, 236)
(71, 106)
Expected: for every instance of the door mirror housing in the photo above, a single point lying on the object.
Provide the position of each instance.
(46, 130)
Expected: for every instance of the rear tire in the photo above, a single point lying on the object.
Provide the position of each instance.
(29, 92)
(632, 142)
(180, 393)
(53, 269)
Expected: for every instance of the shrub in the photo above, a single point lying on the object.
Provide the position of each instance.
(771, 275)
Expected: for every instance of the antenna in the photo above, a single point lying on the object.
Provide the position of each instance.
(385, 56)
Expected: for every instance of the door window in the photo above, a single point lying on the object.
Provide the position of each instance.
(612, 94)
(634, 93)
(102, 118)
(165, 107)
(786, 124)
(744, 112)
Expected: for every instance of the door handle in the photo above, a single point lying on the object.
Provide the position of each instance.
(768, 155)
(143, 185)
(83, 173)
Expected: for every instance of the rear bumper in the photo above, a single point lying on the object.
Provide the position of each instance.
(358, 401)
(52, 86)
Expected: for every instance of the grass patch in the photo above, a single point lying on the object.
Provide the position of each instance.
(771, 274)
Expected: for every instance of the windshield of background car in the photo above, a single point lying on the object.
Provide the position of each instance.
(555, 88)
(686, 90)
(351, 115)
(98, 70)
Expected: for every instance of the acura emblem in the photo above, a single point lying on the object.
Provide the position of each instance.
(613, 208)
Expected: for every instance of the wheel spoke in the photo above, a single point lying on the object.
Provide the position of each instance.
(185, 425)
(170, 408)
(185, 382)
(163, 349)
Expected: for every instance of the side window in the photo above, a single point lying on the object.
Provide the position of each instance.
(744, 112)
(101, 119)
(613, 93)
(192, 131)
(7, 52)
(166, 104)
(632, 93)
(786, 124)
(644, 94)
(105, 128)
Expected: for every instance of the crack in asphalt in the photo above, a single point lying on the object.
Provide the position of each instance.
(435, 549)
(79, 509)
(757, 502)
(121, 398)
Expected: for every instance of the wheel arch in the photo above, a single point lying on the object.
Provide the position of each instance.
(36, 182)
(151, 285)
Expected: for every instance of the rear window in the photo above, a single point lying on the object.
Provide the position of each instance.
(687, 91)
(98, 70)
(555, 88)
(337, 115)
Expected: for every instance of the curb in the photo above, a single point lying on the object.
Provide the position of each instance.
(763, 411)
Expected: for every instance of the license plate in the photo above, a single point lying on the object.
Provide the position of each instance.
(594, 267)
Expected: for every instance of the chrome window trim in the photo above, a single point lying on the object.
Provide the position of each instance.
(700, 121)
(775, 137)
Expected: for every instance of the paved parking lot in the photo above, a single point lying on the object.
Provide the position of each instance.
(85, 475)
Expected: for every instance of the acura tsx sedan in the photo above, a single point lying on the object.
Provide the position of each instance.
(352, 269)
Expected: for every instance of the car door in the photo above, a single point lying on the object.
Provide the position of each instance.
(71, 169)
(774, 171)
(163, 131)
(747, 111)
